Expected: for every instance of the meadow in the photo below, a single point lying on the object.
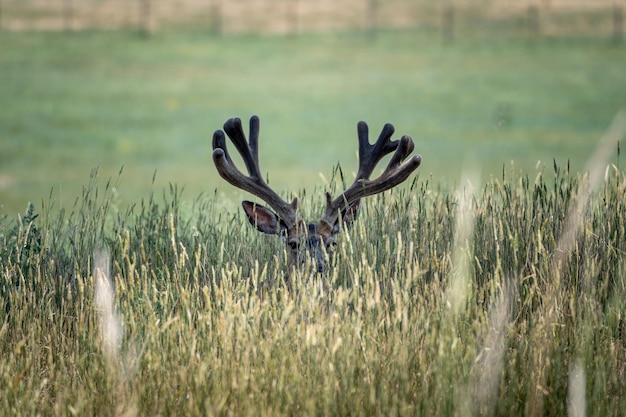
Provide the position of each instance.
(491, 283)
(75, 101)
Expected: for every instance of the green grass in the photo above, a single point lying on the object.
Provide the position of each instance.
(437, 303)
(71, 102)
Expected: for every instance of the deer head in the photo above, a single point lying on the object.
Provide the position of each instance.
(310, 241)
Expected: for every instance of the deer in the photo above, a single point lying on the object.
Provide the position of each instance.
(310, 241)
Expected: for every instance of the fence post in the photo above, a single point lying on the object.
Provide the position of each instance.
(292, 17)
(68, 15)
(145, 12)
(618, 23)
(372, 18)
(216, 18)
(533, 20)
(448, 23)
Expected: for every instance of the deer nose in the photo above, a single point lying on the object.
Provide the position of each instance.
(321, 263)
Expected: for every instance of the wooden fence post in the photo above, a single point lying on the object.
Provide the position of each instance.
(129, 19)
(145, 12)
(216, 18)
(533, 20)
(68, 15)
(292, 17)
(618, 23)
(372, 18)
(448, 23)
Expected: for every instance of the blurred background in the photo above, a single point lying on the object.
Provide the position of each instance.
(139, 86)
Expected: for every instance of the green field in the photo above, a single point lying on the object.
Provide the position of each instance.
(73, 102)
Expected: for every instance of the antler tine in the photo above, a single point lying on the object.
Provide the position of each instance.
(369, 155)
(247, 149)
(254, 183)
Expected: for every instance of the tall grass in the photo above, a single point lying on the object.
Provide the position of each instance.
(186, 330)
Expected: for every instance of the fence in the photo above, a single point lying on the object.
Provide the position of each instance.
(534, 18)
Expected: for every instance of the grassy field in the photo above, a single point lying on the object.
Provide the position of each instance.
(491, 284)
(72, 102)
(504, 300)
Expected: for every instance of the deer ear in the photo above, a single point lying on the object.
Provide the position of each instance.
(348, 216)
(264, 219)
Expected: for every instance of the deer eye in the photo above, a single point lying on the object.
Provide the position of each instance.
(293, 245)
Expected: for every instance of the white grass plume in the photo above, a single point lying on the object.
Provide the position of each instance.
(576, 400)
(104, 297)
(594, 169)
(491, 356)
(458, 286)
(121, 367)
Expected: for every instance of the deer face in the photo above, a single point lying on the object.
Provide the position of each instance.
(311, 242)
(310, 246)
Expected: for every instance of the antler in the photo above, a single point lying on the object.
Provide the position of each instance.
(253, 183)
(369, 156)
